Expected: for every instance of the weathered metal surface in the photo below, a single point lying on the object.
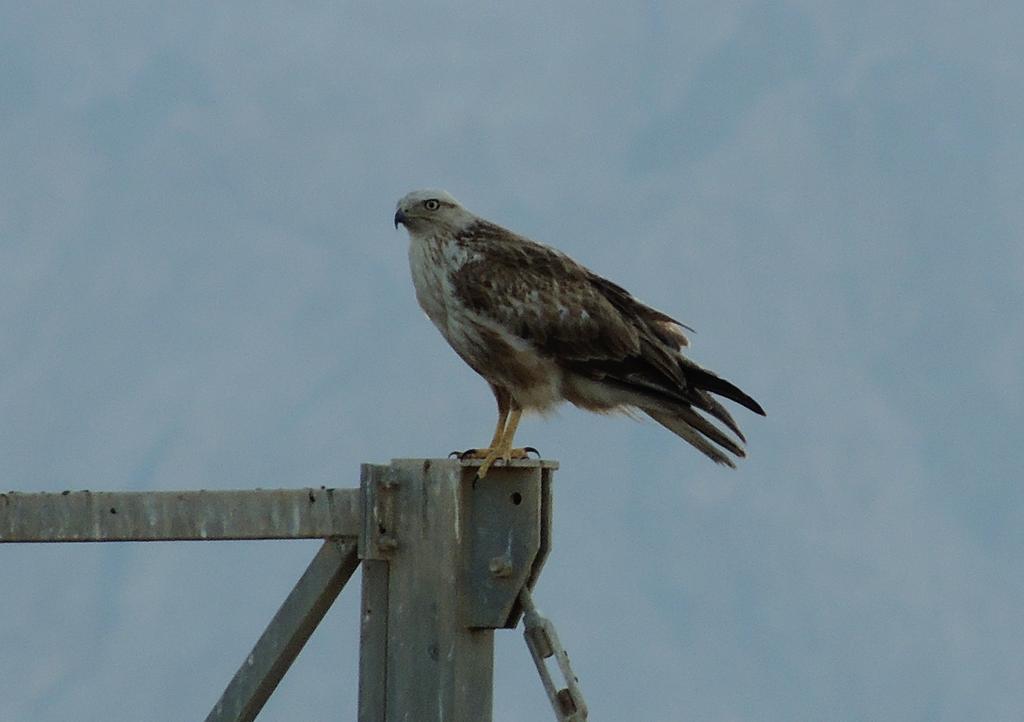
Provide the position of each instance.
(84, 516)
(287, 632)
(435, 668)
(547, 511)
(503, 520)
(373, 645)
(547, 501)
(514, 464)
(377, 500)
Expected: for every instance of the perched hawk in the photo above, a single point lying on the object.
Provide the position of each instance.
(542, 329)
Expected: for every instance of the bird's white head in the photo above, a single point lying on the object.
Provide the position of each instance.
(428, 212)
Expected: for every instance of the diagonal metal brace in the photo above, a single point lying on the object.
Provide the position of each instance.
(287, 632)
(543, 642)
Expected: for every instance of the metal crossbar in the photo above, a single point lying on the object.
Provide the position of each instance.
(102, 516)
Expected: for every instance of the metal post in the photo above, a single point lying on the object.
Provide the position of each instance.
(444, 558)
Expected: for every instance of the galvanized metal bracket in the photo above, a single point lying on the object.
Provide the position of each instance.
(509, 539)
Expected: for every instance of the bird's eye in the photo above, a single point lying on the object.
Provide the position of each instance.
(431, 204)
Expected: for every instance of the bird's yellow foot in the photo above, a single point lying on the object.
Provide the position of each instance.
(490, 456)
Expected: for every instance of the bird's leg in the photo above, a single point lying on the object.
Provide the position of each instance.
(499, 430)
(502, 449)
(504, 400)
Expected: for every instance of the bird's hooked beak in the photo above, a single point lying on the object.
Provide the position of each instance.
(399, 217)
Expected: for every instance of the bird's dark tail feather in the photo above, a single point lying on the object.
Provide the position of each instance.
(706, 402)
(688, 424)
(701, 378)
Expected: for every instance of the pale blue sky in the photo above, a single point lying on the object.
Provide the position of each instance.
(200, 286)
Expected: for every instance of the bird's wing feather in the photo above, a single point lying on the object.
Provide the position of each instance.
(541, 296)
(666, 328)
(568, 313)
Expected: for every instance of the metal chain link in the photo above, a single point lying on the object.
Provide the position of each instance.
(543, 642)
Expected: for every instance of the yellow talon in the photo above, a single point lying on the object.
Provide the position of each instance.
(500, 446)
(495, 454)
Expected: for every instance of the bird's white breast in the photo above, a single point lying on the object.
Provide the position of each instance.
(533, 380)
(432, 260)
(427, 278)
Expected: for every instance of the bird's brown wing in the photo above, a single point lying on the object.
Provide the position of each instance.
(582, 321)
(591, 327)
(541, 296)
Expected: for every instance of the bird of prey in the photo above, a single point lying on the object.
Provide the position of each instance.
(542, 329)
